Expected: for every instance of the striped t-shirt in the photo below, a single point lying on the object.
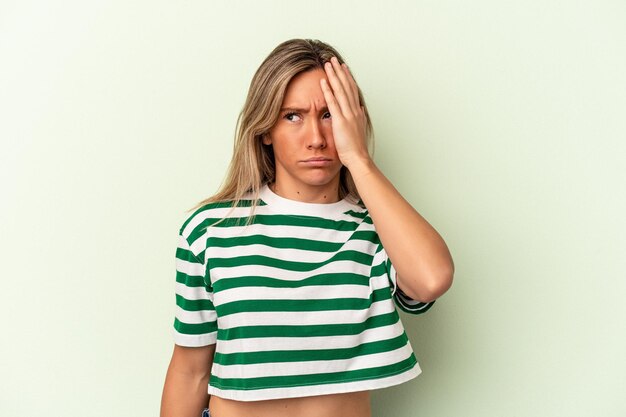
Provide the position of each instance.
(299, 301)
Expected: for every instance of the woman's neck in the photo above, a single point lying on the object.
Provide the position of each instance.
(325, 194)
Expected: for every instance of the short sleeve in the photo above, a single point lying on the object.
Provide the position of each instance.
(406, 304)
(195, 322)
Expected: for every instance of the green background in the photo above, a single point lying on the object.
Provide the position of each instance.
(503, 123)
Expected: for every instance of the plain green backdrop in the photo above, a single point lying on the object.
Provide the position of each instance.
(502, 122)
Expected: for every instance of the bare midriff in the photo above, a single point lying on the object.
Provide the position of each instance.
(352, 404)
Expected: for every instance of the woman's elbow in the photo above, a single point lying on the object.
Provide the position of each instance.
(430, 288)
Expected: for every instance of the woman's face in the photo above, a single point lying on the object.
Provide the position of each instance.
(304, 151)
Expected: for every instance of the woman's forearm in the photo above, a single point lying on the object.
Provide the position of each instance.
(185, 389)
(184, 395)
(418, 253)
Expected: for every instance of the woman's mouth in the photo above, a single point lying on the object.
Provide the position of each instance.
(317, 161)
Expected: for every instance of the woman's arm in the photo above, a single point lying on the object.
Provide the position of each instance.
(417, 252)
(185, 390)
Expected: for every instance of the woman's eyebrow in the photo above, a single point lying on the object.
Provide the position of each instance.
(302, 109)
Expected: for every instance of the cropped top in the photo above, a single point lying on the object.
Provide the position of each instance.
(299, 299)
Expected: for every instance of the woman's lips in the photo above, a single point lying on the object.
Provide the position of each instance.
(317, 161)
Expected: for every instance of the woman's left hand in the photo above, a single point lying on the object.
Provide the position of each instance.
(348, 116)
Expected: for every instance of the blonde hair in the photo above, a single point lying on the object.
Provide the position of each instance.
(252, 165)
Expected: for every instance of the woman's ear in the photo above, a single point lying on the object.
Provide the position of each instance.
(267, 140)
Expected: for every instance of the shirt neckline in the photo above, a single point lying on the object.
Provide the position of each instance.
(287, 206)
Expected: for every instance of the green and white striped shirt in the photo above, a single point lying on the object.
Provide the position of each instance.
(299, 302)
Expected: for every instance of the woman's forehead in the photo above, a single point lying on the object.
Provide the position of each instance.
(304, 90)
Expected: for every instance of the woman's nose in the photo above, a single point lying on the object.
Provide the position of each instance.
(315, 136)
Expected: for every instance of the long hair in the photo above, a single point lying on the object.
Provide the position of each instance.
(253, 165)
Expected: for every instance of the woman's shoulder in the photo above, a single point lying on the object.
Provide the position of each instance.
(211, 211)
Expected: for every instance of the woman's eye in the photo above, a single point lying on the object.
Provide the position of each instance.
(292, 117)
(326, 115)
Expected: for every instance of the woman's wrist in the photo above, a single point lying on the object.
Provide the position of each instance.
(360, 167)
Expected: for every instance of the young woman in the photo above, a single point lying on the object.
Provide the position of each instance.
(287, 277)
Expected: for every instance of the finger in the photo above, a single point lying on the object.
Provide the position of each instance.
(354, 89)
(331, 102)
(341, 73)
(344, 105)
(337, 88)
(344, 78)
